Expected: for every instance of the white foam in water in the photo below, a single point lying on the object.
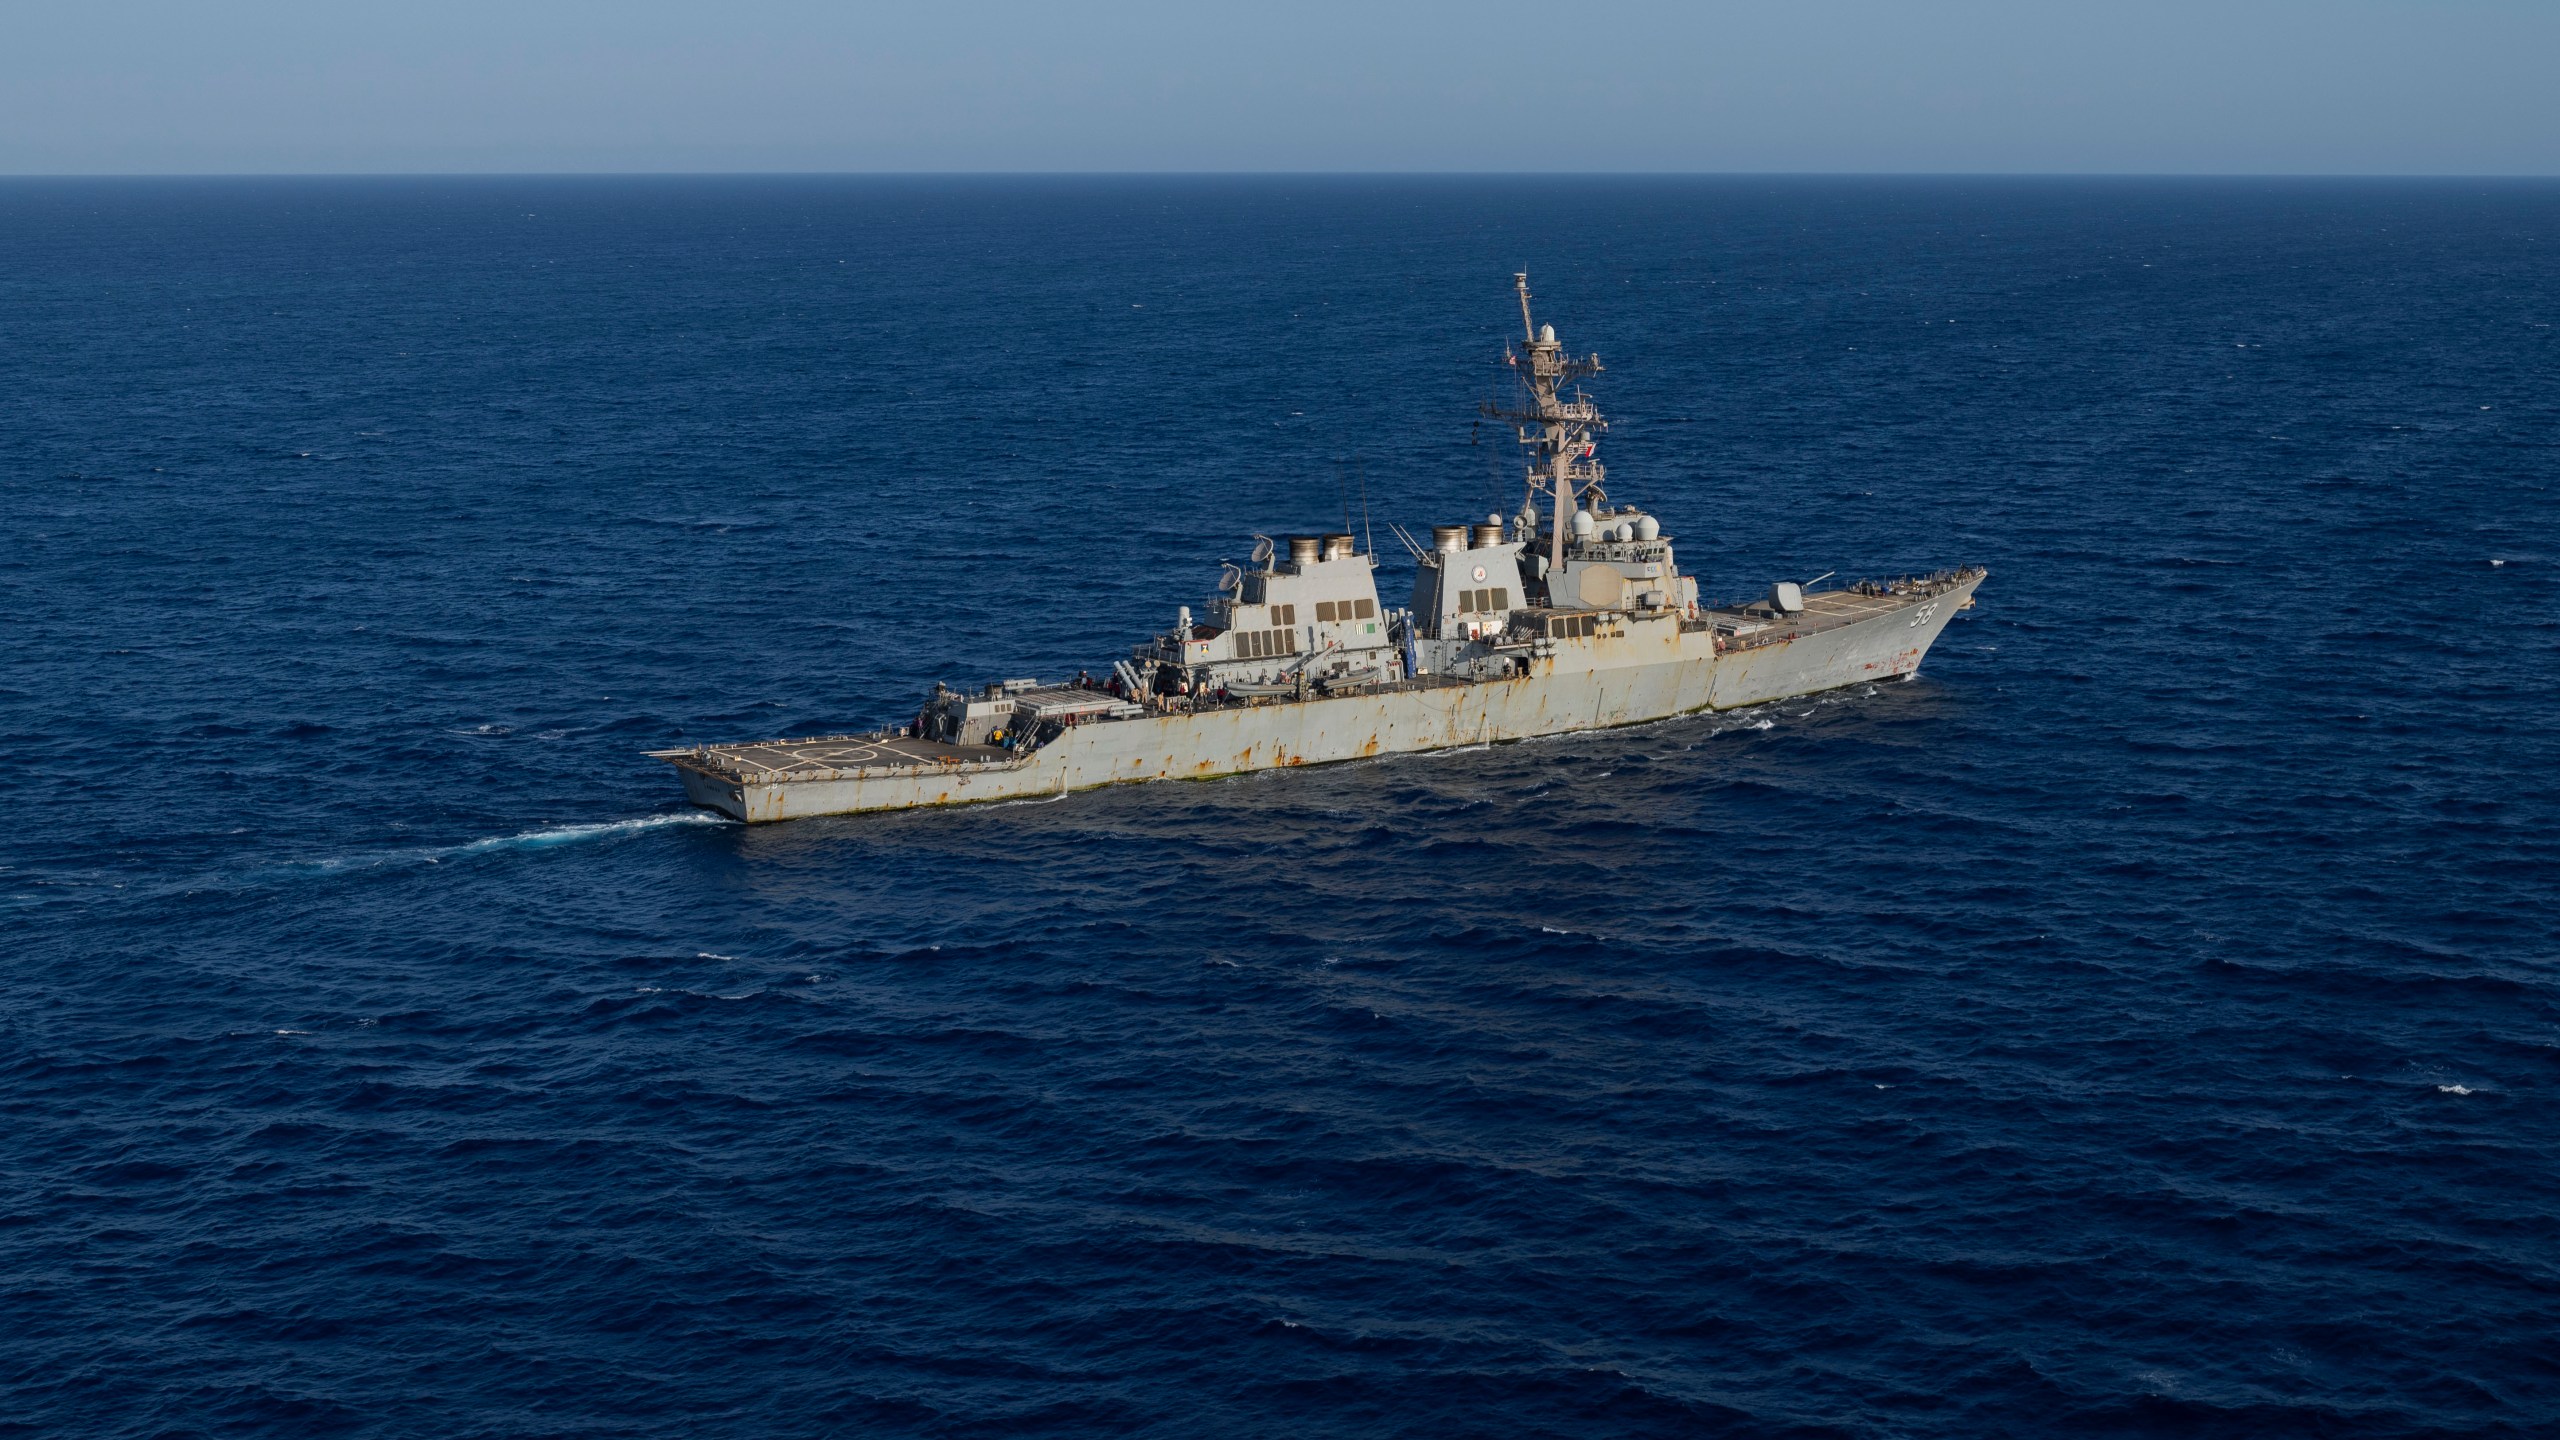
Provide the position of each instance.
(571, 834)
(529, 840)
(1028, 800)
(2455, 1089)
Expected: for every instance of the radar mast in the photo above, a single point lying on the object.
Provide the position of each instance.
(1560, 434)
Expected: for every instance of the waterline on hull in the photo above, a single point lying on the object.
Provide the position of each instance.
(1691, 678)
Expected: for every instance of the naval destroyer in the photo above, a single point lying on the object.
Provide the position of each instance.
(1571, 615)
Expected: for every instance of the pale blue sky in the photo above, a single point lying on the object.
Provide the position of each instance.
(2344, 87)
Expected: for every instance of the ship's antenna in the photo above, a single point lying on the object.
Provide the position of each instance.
(1361, 467)
(1559, 433)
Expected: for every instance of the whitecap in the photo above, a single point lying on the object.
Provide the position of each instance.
(2455, 1089)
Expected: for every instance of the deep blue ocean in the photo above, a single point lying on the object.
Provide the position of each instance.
(2147, 1022)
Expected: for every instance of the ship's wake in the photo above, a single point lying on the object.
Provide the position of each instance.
(572, 834)
(544, 839)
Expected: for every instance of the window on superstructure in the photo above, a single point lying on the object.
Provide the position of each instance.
(1263, 644)
(1324, 612)
(1364, 609)
(1284, 614)
(1501, 597)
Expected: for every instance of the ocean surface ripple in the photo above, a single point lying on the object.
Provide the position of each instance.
(2132, 1026)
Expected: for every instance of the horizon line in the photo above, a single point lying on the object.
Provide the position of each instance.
(1274, 174)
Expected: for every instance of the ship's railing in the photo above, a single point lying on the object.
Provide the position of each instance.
(1784, 628)
(1634, 552)
(1936, 582)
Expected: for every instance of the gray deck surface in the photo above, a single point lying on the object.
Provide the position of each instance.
(1825, 610)
(809, 759)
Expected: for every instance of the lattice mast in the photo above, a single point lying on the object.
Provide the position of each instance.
(1561, 435)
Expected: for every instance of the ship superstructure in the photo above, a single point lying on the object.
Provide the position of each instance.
(1571, 614)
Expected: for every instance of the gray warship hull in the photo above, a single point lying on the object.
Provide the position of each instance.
(1632, 669)
(1573, 614)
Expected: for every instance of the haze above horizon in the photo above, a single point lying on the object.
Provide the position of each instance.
(2357, 87)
